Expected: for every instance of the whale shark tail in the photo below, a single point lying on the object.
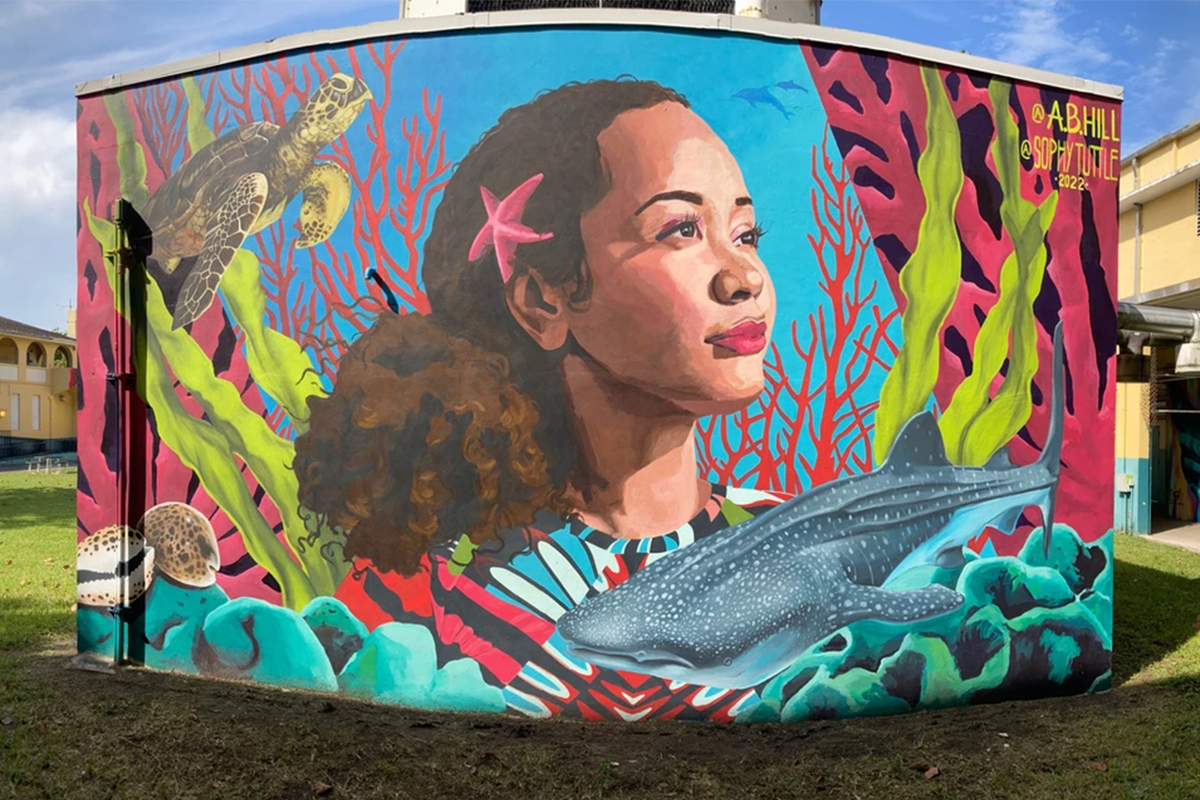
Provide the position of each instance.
(1051, 458)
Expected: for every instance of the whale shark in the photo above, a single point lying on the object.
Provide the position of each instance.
(739, 606)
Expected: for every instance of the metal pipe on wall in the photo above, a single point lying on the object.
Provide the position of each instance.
(1181, 322)
(1158, 319)
(1137, 233)
(1137, 249)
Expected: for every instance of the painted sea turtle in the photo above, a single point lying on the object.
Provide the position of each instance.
(240, 183)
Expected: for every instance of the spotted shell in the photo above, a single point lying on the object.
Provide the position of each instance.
(100, 568)
(185, 547)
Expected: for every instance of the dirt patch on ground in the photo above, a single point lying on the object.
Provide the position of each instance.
(135, 733)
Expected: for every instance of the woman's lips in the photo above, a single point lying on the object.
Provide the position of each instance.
(745, 339)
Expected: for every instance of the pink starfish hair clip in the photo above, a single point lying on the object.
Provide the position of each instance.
(504, 230)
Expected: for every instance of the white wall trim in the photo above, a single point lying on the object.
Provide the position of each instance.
(606, 17)
(1157, 188)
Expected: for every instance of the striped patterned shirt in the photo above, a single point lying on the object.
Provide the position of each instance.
(502, 607)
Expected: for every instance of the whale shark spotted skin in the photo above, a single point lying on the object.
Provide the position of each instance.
(738, 607)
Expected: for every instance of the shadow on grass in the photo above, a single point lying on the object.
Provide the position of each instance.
(30, 620)
(1154, 615)
(36, 506)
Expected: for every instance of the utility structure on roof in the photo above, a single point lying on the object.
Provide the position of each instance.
(805, 11)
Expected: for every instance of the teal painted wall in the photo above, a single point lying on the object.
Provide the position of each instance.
(1131, 510)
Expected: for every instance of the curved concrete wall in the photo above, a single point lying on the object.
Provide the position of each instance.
(611, 372)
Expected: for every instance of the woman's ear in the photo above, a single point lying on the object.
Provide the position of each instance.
(539, 308)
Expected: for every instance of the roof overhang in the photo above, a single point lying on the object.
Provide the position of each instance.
(607, 17)
(1155, 189)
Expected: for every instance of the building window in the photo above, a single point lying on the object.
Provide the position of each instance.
(62, 357)
(35, 356)
(8, 351)
(35, 413)
(1198, 208)
(14, 412)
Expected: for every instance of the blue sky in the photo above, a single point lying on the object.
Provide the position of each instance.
(1152, 48)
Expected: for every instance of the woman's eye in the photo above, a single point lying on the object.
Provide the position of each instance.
(688, 229)
(751, 237)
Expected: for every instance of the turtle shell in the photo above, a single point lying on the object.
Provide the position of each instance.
(177, 211)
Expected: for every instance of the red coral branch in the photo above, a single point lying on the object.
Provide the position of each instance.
(273, 85)
(809, 428)
(337, 303)
(162, 114)
(416, 181)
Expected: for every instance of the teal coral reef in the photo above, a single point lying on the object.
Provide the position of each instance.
(1030, 621)
(322, 648)
(1031, 625)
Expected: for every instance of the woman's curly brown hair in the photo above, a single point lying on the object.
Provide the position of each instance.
(425, 434)
(455, 424)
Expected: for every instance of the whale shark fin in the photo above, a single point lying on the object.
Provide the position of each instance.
(919, 444)
(1047, 521)
(885, 605)
(1052, 452)
(1007, 522)
(950, 557)
(1001, 460)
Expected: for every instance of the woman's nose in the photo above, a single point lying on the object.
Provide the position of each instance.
(737, 281)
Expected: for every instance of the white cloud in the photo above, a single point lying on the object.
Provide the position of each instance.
(1038, 33)
(37, 193)
(15, 12)
(48, 47)
(37, 149)
(1156, 101)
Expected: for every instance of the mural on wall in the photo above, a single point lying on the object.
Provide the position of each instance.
(1183, 449)
(557, 392)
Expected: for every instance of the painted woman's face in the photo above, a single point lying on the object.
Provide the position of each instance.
(681, 304)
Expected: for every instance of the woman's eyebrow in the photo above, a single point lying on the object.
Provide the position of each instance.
(679, 194)
(743, 201)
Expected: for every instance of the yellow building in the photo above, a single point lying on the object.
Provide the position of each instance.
(1158, 413)
(37, 389)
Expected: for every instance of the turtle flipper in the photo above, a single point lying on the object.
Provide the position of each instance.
(233, 221)
(326, 190)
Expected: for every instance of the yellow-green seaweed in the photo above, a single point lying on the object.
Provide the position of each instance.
(278, 363)
(310, 563)
(131, 159)
(930, 279)
(974, 425)
(199, 134)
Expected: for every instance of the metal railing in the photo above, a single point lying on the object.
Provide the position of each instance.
(20, 447)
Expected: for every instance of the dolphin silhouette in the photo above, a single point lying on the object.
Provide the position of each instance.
(738, 607)
(762, 94)
(791, 86)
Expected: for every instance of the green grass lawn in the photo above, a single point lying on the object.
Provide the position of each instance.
(72, 734)
(37, 557)
(1156, 612)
